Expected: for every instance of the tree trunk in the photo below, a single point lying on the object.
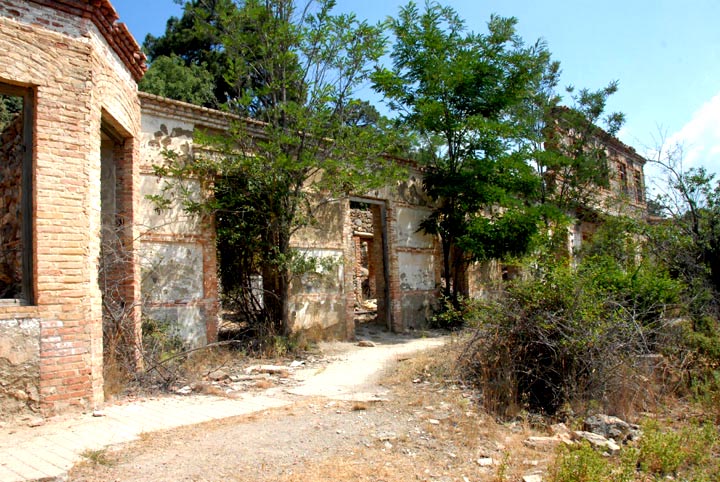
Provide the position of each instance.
(446, 266)
(460, 285)
(284, 285)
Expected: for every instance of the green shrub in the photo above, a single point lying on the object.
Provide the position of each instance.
(706, 393)
(570, 333)
(160, 341)
(450, 316)
(666, 452)
(660, 451)
(580, 463)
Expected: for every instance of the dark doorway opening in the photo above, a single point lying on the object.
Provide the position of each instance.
(370, 267)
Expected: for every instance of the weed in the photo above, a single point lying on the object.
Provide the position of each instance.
(667, 452)
(502, 471)
(706, 393)
(660, 452)
(99, 457)
(580, 463)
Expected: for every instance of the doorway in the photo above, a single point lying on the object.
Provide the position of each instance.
(369, 263)
(116, 267)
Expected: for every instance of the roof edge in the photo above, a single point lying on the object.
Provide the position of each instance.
(104, 16)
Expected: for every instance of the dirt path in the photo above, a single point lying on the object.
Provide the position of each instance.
(355, 372)
(365, 415)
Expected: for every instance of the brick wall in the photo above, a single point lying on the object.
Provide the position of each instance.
(76, 84)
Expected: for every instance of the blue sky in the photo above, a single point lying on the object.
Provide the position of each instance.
(664, 53)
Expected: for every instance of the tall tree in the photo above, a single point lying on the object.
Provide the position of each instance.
(309, 141)
(171, 77)
(193, 41)
(689, 200)
(567, 148)
(456, 89)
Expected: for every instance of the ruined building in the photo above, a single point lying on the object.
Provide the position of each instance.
(623, 193)
(82, 247)
(80, 241)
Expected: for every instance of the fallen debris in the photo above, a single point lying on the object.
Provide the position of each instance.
(598, 441)
(612, 427)
(280, 370)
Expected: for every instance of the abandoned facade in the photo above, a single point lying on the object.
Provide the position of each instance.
(623, 194)
(77, 156)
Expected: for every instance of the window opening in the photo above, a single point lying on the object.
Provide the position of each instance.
(16, 120)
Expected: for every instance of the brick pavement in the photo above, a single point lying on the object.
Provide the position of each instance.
(49, 451)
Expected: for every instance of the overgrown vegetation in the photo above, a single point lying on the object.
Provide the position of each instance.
(508, 169)
(294, 69)
(580, 331)
(567, 333)
(688, 453)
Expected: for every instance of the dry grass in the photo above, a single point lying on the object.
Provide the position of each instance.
(264, 384)
(99, 457)
(115, 378)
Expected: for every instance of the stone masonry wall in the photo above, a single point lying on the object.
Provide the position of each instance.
(19, 366)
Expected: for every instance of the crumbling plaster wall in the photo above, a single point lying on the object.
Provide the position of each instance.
(413, 257)
(177, 255)
(76, 80)
(179, 258)
(318, 300)
(418, 265)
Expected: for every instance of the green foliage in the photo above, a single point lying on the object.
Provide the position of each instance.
(171, 77)
(450, 316)
(9, 106)
(99, 457)
(160, 342)
(195, 41)
(454, 89)
(564, 333)
(499, 237)
(581, 463)
(685, 454)
(686, 242)
(574, 163)
(295, 71)
(667, 452)
(691, 203)
(706, 393)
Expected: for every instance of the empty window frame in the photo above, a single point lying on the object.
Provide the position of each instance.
(622, 175)
(16, 245)
(639, 190)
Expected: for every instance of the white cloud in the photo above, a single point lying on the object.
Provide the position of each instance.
(700, 137)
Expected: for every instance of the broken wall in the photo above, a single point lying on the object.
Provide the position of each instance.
(318, 301)
(418, 266)
(414, 258)
(178, 258)
(19, 366)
